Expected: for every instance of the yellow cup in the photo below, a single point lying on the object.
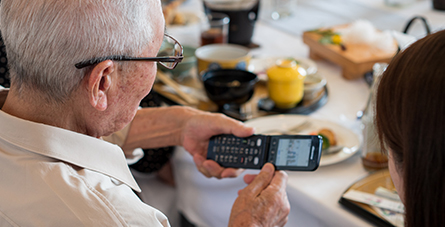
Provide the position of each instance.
(286, 83)
(222, 56)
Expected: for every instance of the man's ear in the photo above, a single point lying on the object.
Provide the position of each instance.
(99, 83)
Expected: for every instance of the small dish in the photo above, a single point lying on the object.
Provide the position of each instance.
(313, 86)
(225, 86)
(306, 106)
(222, 56)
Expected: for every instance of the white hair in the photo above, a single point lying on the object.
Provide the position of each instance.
(44, 39)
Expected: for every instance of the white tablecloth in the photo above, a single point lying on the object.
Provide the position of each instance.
(313, 195)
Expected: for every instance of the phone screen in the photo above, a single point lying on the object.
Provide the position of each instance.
(293, 152)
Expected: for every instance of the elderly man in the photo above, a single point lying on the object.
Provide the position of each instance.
(78, 72)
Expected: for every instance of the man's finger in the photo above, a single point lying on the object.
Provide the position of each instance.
(248, 178)
(231, 172)
(261, 181)
(231, 126)
(199, 160)
(244, 131)
(279, 181)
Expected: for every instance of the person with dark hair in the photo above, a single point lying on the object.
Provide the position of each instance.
(410, 117)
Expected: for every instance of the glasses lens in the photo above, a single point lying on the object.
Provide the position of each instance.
(169, 48)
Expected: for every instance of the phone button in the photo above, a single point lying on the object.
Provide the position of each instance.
(256, 160)
(258, 142)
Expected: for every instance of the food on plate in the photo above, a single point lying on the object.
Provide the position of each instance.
(358, 32)
(328, 137)
(364, 32)
(329, 134)
(171, 14)
(329, 36)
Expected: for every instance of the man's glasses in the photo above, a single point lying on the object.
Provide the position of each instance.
(169, 55)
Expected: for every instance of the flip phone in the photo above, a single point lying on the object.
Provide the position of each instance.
(286, 152)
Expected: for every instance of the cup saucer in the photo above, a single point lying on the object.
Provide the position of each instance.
(303, 107)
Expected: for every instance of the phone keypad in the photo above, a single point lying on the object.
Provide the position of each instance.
(232, 151)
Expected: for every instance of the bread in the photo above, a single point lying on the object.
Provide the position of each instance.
(171, 14)
(329, 135)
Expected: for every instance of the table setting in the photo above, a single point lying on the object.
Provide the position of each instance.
(333, 93)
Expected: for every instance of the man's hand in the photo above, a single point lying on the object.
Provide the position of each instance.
(187, 127)
(263, 202)
(195, 139)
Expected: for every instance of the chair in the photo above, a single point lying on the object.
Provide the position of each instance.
(4, 73)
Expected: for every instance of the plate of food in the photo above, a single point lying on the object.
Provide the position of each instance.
(184, 19)
(176, 17)
(340, 142)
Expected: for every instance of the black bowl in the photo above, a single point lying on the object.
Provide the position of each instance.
(232, 86)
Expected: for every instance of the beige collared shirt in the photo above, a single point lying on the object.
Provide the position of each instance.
(54, 177)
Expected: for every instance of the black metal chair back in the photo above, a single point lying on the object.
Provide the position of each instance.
(4, 74)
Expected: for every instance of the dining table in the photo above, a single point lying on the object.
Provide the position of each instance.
(313, 196)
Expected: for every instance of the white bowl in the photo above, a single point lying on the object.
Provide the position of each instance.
(313, 85)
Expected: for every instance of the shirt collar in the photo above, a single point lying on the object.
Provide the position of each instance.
(75, 148)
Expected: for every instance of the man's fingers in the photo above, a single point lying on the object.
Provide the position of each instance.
(231, 126)
(261, 181)
(248, 178)
(277, 190)
(231, 172)
(199, 162)
(279, 181)
(211, 168)
(244, 131)
(283, 221)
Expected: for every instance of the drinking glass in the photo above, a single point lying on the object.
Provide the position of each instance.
(372, 156)
(216, 29)
(282, 8)
(243, 15)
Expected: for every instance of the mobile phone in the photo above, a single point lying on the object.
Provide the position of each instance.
(286, 152)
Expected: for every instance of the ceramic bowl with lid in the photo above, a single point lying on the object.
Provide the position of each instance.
(285, 83)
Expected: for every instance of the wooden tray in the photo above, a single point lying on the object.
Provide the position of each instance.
(369, 184)
(355, 61)
(250, 109)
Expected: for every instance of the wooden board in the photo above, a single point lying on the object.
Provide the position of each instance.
(249, 110)
(369, 184)
(355, 61)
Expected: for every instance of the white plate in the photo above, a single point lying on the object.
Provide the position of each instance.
(345, 137)
(260, 65)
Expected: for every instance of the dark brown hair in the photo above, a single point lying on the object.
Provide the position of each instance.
(410, 116)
